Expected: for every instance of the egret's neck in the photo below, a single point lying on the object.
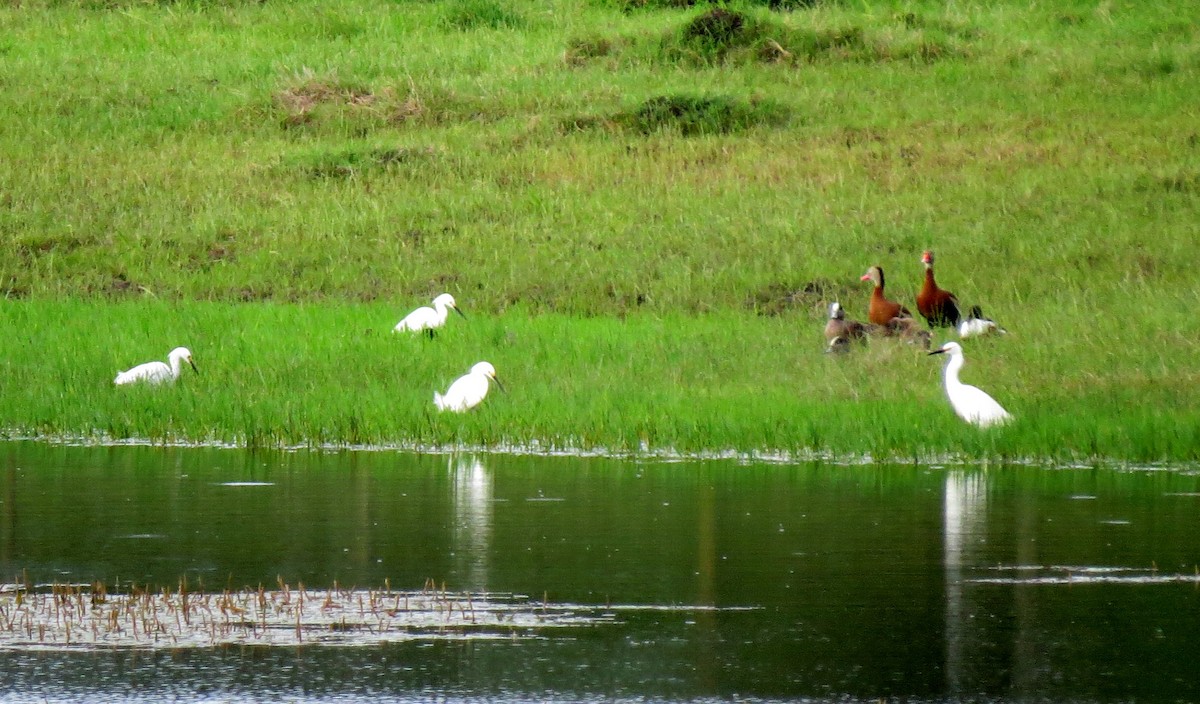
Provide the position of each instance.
(952, 368)
(176, 366)
(442, 311)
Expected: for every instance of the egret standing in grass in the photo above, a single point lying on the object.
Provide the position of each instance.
(429, 319)
(970, 403)
(158, 372)
(468, 390)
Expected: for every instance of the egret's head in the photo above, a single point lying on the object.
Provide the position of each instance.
(447, 301)
(486, 369)
(183, 354)
(950, 348)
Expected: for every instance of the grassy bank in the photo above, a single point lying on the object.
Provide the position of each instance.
(298, 374)
(645, 208)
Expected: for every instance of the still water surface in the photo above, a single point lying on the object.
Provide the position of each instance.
(785, 582)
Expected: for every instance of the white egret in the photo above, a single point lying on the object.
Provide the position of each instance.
(427, 318)
(158, 372)
(975, 324)
(468, 390)
(970, 403)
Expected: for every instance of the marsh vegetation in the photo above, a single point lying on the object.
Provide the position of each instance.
(649, 206)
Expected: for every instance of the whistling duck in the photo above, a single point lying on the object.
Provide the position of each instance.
(158, 372)
(428, 319)
(909, 330)
(468, 390)
(938, 306)
(975, 324)
(838, 326)
(838, 345)
(882, 310)
(970, 403)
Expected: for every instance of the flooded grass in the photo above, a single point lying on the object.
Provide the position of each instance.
(83, 617)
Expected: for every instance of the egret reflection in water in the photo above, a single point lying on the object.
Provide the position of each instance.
(964, 508)
(473, 491)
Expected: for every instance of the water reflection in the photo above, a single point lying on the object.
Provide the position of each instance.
(963, 512)
(473, 499)
(861, 583)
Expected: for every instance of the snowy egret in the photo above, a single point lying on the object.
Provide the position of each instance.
(975, 324)
(158, 372)
(938, 306)
(970, 403)
(882, 311)
(838, 326)
(428, 319)
(468, 390)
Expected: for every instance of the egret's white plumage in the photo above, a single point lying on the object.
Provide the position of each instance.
(427, 318)
(468, 390)
(970, 403)
(158, 372)
(975, 324)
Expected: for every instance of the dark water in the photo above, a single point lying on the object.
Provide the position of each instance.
(1010, 584)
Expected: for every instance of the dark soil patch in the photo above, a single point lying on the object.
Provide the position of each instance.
(349, 162)
(635, 5)
(581, 50)
(780, 298)
(467, 15)
(719, 26)
(692, 115)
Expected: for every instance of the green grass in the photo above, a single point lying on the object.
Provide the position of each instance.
(303, 374)
(682, 189)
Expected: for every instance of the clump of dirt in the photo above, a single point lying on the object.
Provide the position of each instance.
(720, 35)
(581, 50)
(718, 26)
(692, 115)
(466, 15)
(780, 298)
(634, 5)
(120, 285)
(300, 100)
(352, 161)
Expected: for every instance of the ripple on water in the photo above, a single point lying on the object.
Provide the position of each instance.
(1082, 574)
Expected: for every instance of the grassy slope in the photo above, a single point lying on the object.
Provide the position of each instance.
(384, 152)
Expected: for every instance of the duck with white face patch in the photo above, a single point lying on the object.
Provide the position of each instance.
(838, 326)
